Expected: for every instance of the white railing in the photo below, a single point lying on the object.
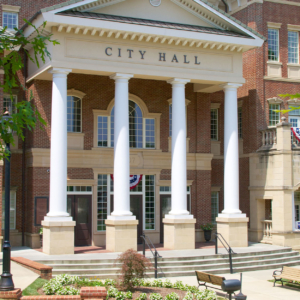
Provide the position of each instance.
(267, 231)
(269, 138)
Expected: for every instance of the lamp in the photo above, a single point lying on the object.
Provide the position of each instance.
(6, 282)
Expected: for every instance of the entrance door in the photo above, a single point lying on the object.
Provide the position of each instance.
(136, 207)
(165, 208)
(79, 207)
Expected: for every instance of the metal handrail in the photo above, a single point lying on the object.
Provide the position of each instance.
(229, 250)
(155, 254)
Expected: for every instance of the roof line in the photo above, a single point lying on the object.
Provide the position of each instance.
(60, 5)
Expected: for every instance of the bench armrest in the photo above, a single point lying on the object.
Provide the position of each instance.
(277, 272)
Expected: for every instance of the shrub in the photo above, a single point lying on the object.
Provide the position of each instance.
(128, 295)
(155, 296)
(56, 286)
(168, 284)
(188, 296)
(179, 285)
(109, 282)
(112, 292)
(120, 296)
(191, 288)
(142, 296)
(206, 295)
(133, 265)
(157, 283)
(67, 290)
(172, 296)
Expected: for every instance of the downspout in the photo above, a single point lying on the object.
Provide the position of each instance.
(23, 158)
(226, 5)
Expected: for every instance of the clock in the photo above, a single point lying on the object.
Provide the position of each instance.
(155, 2)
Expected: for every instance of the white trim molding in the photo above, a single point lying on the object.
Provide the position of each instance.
(215, 105)
(275, 100)
(293, 27)
(10, 8)
(295, 102)
(75, 93)
(273, 25)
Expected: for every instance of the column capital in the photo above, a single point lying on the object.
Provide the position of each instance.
(178, 81)
(230, 85)
(60, 71)
(121, 76)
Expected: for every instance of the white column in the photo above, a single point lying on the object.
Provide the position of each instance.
(121, 149)
(178, 177)
(58, 154)
(231, 152)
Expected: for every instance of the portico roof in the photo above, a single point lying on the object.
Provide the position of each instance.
(153, 23)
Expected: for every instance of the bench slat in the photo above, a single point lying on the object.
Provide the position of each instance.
(210, 278)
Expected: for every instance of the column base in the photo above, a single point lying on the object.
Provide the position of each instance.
(234, 229)
(179, 234)
(121, 235)
(58, 237)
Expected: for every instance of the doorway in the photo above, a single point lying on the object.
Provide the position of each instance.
(79, 207)
(136, 207)
(165, 208)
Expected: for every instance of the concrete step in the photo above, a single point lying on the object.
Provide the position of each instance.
(182, 266)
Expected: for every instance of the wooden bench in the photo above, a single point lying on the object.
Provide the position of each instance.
(286, 273)
(204, 278)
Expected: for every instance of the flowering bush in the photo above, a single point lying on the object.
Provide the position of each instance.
(188, 296)
(112, 292)
(109, 282)
(157, 283)
(191, 288)
(155, 296)
(168, 284)
(56, 286)
(128, 295)
(172, 296)
(179, 285)
(134, 265)
(206, 295)
(142, 296)
(120, 296)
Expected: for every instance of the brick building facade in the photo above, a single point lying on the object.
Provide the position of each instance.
(264, 80)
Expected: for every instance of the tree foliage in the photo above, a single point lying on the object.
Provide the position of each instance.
(25, 115)
(291, 108)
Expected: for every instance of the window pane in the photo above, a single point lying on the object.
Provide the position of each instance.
(8, 104)
(214, 206)
(293, 47)
(214, 124)
(150, 133)
(10, 20)
(240, 122)
(273, 46)
(101, 202)
(274, 116)
(170, 120)
(73, 114)
(149, 202)
(102, 131)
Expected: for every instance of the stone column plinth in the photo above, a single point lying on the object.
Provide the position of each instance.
(121, 235)
(58, 237)
(179, 234)
(234, 230)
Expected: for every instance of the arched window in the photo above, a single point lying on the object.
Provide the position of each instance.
(141, 130)
(74, 114)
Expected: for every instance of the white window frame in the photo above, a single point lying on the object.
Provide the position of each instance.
(217, 206)
(277, 46)
(217, 130)
(80, 95)
(297, 34)
(17, 22)
(13, 199)
(14, 104)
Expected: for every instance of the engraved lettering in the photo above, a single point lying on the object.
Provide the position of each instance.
(106, 52)
(142, 54)
(175, 58)
(186, 62)
(130, 51)
(119, 52)
(196, 61)
(162, 56)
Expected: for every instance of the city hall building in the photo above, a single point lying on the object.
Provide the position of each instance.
(156, 123)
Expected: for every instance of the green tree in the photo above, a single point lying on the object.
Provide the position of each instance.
(25, 115)
(291, 108)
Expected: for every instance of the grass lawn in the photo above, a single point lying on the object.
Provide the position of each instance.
(31, 290)
(287, 283)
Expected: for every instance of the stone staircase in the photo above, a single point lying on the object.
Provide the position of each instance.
(182, 266)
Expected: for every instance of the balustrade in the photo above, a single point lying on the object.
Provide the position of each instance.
(269, 138)
(267, 231)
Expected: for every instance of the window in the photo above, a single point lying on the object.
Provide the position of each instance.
(141, 130)
(74, 114)
(214, 206)
(273, 44)
(12, 209)
(214, 124)
(82, 189)
(9, 104)
(149, 202)
(10, 20)
(274, 117)
(102, 202)
(297, 213)
(240, 122)
(293, 47)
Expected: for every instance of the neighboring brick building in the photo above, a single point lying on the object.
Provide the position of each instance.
(90, 140)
